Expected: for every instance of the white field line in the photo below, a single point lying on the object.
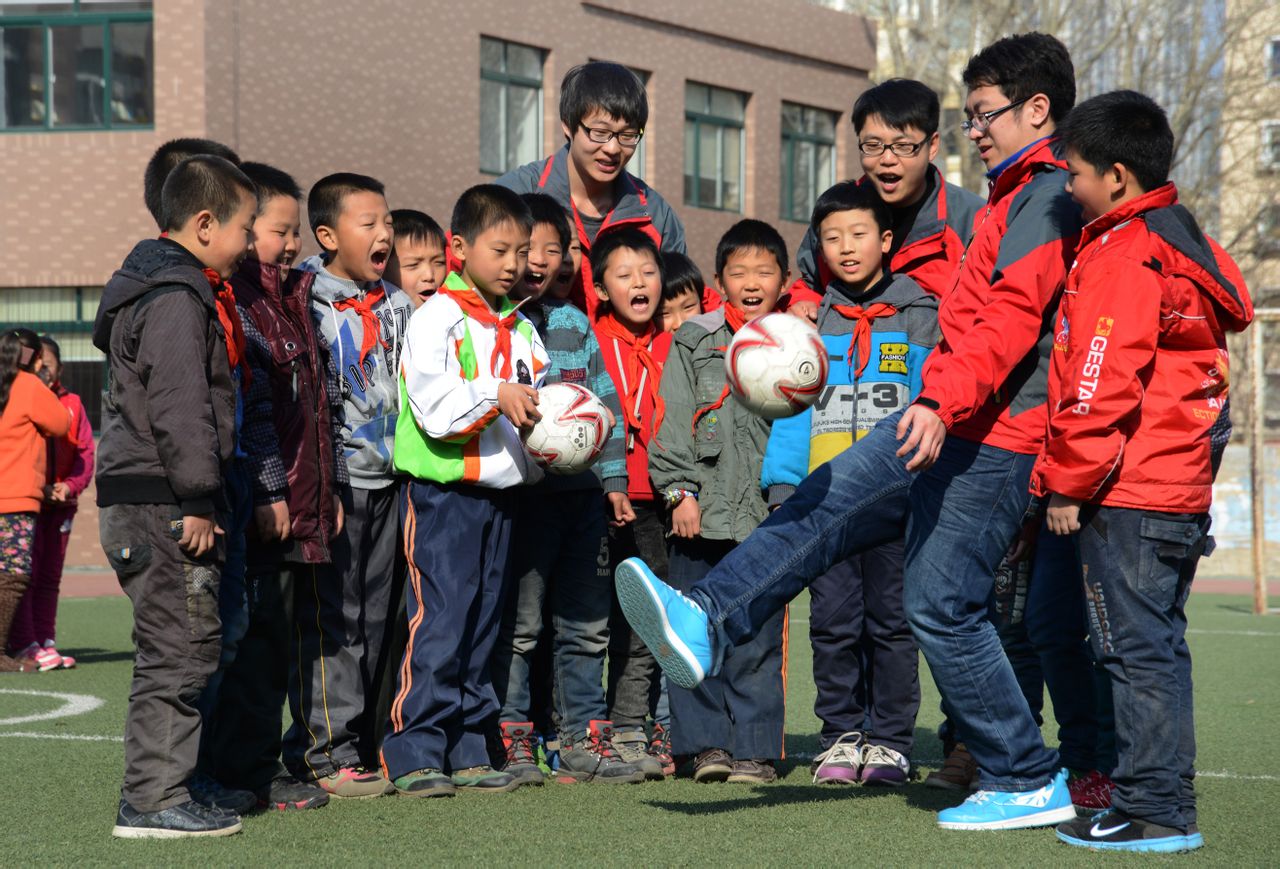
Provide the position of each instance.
(77, 737)
(72, 704)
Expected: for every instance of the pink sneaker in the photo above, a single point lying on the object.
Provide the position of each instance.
(65, 662)
(36, 658)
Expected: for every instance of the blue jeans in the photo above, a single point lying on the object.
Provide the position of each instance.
(1139, 565)
(1056, 626)
(559, 556)
(960, 517)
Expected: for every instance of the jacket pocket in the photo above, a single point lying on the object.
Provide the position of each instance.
(123, 531)
(1169, 549)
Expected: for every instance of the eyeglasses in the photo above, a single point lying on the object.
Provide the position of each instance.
(875, 148)
(601, 136)
(982, 121)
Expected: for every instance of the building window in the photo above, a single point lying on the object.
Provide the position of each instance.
(1271, 144)
(82, 65)
(714, 146)
(1269, 230)
(66, 314)
(808, 158)
(510, 105)
(1273, 59)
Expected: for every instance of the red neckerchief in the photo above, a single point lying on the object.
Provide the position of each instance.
(478, 309)
(640, 366)
(232, 327)
(735, 320)
(862, 329)
(370, 325)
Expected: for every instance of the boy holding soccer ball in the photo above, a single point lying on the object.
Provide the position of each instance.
(558, 540)
(878, 328)
(468, 381)
(707, 466)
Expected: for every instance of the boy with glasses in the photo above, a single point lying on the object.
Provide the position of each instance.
(603, 110)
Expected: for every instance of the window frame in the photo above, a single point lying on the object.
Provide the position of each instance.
(1269, 142)
(76, 18)
(788, 143)
(699, 119)
(507, 79)
(1271, 59)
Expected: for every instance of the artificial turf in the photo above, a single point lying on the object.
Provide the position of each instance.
(60, 795)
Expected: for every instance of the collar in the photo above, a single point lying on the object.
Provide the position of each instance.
(1161, 197)
(454, 281)
(629, 200)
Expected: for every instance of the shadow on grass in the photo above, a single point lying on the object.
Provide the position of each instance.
(768, 796)
(97, 656)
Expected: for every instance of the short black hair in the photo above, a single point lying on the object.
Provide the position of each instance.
(1123, 127)
(324, 202)
(199, 183)
(411, 225)
(271, 181)
(899, 103)
(628, 237)
(545, 209)
(609, 87)
(680, 275)
(485, 206)
(169, 155)
(850, 196)
(751, 234)
(1024, 65)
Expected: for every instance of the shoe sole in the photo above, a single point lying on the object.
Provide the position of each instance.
(735, 779)
(476, 789)
(712, 776)
(1168, 845)
(428, 792)
(644, 611)
(123, 832)
(1040, 819)
(565, 778)
(297, 805)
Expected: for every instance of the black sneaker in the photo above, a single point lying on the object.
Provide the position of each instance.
(714, 764)
(592, 757)
(208, 792)
(286, 793)
(182, 821)
(1113, 830)
(753, 772)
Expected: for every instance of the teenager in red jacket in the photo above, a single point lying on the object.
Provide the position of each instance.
(1139, 378)
(959, 476)
(69, 470)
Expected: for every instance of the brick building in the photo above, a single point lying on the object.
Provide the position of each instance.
(749, 112)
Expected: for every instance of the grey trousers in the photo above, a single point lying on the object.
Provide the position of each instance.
(340, 618)
(177, 638)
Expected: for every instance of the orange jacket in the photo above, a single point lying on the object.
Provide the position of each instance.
(1140, 360)
(32, 414)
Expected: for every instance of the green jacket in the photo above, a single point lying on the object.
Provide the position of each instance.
(719, 456)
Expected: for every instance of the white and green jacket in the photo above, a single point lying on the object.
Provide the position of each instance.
(452, 431)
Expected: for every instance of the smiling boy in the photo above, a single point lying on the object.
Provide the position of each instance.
(603, 111)
(468, 384)
(361, 321)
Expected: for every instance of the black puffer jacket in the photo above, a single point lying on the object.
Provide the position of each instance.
(169, 410)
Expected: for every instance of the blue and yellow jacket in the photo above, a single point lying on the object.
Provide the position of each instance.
(851, 404)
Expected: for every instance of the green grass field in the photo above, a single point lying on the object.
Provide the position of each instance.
(61, 779)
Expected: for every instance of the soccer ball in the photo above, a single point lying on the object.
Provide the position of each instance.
(776, 365)
(573, 429)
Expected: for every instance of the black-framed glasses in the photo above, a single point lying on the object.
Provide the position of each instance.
(875, 148)
(601, 136)
(982, 120)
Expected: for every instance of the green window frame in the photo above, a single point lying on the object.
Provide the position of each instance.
(715, 134)
(808, 164)
(510, 104)
(45, 23)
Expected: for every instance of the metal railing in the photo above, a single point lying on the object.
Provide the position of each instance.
(1257, 453)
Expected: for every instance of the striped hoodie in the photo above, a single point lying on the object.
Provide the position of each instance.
(450, 370)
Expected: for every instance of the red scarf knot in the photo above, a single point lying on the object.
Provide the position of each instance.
(370, 325)
(861, 338)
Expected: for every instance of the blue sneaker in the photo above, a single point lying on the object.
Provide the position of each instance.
(1113, 830)
(1012, 810)
(673, 627)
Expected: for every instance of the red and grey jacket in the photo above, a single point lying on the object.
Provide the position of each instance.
(1140, 360)
(637, 205)
(292, 433)
(930, 253)
(989, 375)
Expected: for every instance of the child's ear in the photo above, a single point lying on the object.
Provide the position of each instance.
(458, 247)
(1118, 177)
(204, 221)
(886, 240)
(568, 134)
(327, 237)
(933, 146)
(601, 293)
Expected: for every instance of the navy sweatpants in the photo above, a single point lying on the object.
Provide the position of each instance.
(456, 539)
(742, 709)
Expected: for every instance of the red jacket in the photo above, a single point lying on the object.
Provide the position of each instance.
(929, 255)
(1140, 360)
(617, 358)
(988, 377)
(70, 458)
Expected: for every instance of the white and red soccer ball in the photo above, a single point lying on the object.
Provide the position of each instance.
(776, 365)
(573, 430)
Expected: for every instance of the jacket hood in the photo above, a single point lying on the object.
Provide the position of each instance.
(633, 194)
(273, 280)
(149, 259)
(1215, 273)
(898, 290)
(328, 287)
